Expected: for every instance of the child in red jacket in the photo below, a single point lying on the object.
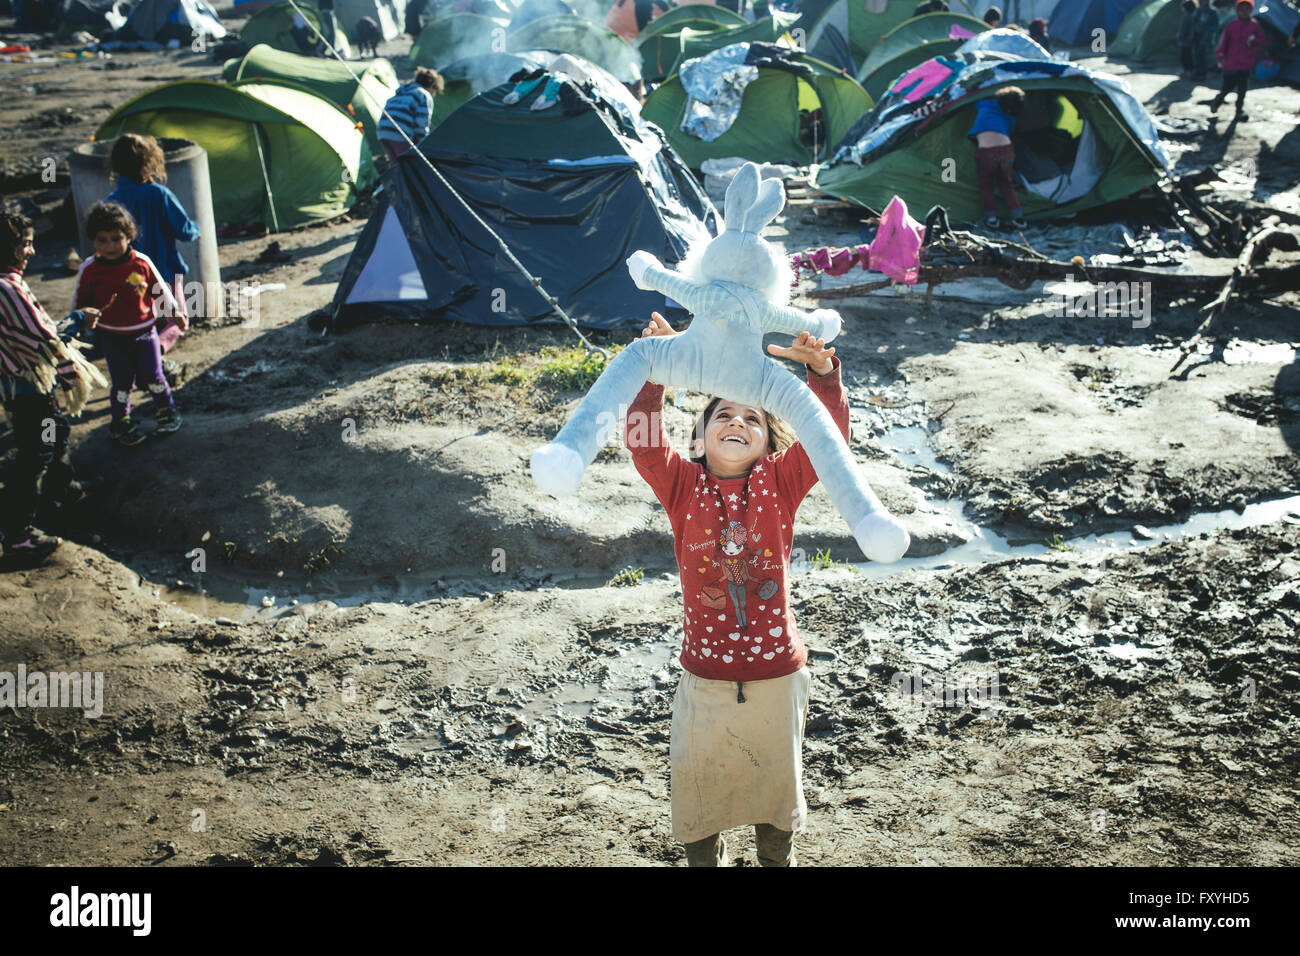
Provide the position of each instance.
(1242, 45)
(738, 716)
(130, 294)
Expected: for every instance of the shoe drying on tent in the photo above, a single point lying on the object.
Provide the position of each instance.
(573, 190)
(793, 108)
(467, 78)
(278, 155)
(1082, 140)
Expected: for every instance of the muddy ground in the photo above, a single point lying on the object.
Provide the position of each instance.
(421, 703)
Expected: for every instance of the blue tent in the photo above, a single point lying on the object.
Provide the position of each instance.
(1074, 20)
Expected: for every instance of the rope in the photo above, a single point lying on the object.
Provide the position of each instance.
(535, 282)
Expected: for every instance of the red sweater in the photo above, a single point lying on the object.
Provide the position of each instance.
(134, 281)
(732, 538)
(1234, 52)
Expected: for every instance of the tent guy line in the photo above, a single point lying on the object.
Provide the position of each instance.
(414, 150)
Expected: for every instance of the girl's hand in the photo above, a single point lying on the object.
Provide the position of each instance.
(92, 317)
(182, 322)
(658, 326)
(808, 350)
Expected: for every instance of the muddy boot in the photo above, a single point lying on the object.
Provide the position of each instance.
(775, 846)
(711, 851)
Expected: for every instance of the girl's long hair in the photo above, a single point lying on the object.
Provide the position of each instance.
(139, 158)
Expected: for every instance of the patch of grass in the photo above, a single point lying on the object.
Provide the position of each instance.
(320, 560)
(571, 368)
(823, 559)
(562, 369)
(626, 578)
(1058, 543)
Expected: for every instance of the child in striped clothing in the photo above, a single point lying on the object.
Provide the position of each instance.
(409, 111)
(38, 370)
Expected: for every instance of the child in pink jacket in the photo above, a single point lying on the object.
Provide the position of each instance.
(1242, 45)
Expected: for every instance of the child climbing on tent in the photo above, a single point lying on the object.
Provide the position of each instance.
(995, 156)
(738, 716)
(38, 371)
(140, 168)
(129, 292)
(409, 111)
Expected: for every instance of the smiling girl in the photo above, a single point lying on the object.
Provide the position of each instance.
(738, 716)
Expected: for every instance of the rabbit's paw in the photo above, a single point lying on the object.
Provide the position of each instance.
(638, 264)
(830, 322)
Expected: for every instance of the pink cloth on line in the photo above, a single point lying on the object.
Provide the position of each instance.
(835, 262)
(896, 250)
(959, 32)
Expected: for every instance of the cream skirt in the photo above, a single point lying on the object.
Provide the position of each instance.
(734, 764)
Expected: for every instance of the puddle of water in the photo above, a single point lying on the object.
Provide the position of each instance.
(911, 445)
(1129, 652)
(212, 597)
(1270, 353)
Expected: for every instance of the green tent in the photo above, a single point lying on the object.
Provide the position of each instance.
(569, 33)
(660, 43)
(843, 32)
(1149, 30)
(328, 78)
(773, 123)
(456, 37)
(696, 43)
(1080, 142)
(273, 25)
(276, 154)
(918, 31)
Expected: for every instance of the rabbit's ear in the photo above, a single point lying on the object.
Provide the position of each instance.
(770, 202)
(740, 196)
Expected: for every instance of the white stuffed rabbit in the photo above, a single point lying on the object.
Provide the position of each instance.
(736, 287)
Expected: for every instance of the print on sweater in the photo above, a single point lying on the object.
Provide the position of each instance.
(737, 564)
